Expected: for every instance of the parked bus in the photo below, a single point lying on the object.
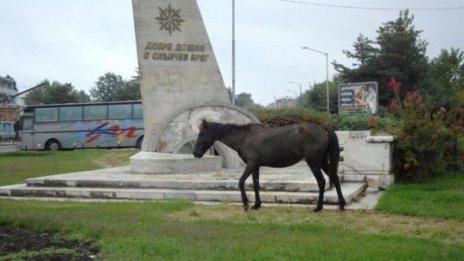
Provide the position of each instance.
(82, 125)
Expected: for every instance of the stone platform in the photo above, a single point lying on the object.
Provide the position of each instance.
(167, 163)
(294, 185)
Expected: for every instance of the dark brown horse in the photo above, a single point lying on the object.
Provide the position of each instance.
(277, 147)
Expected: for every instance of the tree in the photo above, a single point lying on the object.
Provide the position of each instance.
(55, 92)
(399, 52)
(316, 97)
(402, 54)
(112, 87)
(447, 72)
(83, 97)
(365, 54)
(3, 96)
(129, 92)
(244, 100)
(106, 87)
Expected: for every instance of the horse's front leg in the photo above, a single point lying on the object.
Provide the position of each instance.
(241, 184)
(255, 176)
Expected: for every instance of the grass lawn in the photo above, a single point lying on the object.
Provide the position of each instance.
(15, 167)
(441, 198)
(180, 230)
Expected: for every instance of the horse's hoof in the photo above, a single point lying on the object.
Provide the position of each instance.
(256, 207)
(317, 209)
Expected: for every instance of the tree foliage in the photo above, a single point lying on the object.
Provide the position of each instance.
(112, 87)
(3, 96)
(316, 97)
(397, 51)
(365, 53)
(55, 92)
(106, 87)
(447, 72)
(244, 100)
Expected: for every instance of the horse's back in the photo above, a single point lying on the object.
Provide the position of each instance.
(287, 145)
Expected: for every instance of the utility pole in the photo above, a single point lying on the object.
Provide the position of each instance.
(233, 52)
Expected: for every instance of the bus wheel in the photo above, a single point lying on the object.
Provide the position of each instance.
(138, 145)
(53, 145)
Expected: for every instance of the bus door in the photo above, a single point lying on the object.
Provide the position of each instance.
(27, 131)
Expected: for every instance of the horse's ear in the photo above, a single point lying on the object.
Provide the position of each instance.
(204, 124)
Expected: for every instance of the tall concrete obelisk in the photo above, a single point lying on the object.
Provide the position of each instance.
(176, 61)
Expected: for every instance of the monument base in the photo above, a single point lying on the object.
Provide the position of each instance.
(165, 163)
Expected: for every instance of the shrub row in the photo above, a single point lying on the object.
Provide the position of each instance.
(281, 117)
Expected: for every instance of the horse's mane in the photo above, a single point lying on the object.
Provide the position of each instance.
(229, 127)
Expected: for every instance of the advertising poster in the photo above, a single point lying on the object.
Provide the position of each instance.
(359, 97)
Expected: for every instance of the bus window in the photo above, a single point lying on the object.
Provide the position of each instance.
(119, 111)
(95, 112)
(138, 111)
(71, 113)
(46, 114)
(26, 122)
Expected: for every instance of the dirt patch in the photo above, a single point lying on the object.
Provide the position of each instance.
(24, 244)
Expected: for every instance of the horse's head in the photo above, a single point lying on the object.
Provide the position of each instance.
(204, 141)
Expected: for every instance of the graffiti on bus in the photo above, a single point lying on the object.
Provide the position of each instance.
(102, 132)
(104, 128)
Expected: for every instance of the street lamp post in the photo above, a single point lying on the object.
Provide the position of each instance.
(233, 52)
(299, 84)
(327, 71)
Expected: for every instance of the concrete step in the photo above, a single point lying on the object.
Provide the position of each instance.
(135, 181)
(350, 190)
(225, 179)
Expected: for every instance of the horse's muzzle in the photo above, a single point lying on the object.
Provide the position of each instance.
(197, 155)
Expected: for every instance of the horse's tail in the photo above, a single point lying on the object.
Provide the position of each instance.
(333, 157)
(333, 154)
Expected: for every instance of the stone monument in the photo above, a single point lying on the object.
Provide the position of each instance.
(180, 80)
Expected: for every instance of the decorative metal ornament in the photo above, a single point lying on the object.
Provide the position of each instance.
(169, 19)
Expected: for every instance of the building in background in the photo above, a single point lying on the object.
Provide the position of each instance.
(9, 109)
(8, 88)
(284, 102)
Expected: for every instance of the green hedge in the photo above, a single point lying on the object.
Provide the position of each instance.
(281, 117)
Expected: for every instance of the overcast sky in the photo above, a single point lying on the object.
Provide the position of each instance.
(76, 41)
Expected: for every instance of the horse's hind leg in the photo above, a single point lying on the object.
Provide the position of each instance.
(255, 176)
(241, 184)
(341, 199)
(325, 168)
(331, 171)
(336, 181)
(321, 184)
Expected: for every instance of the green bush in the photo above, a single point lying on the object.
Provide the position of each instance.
(281, 117)
(350, 122)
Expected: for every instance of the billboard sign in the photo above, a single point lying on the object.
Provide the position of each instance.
(359, 97)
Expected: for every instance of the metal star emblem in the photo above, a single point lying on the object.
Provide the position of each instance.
(169, 19)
